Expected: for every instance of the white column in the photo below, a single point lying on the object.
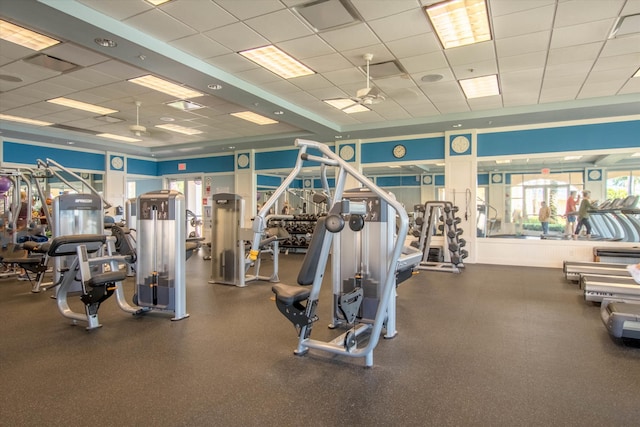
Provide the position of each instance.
(246, 183)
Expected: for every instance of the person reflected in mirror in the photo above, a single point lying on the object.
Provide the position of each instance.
(583, 215)
(543, 216)
(570, 212)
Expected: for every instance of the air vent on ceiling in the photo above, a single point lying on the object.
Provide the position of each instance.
(626, 25)
(73, 129)
(385, 69)
(323, 15)
(51, 63)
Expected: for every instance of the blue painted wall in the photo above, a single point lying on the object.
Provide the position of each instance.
(483, 179)
(142, 167)
(569, 138)
(16, 152)
(398, 181)
(417, 149)
(268, 180)
(204, 165)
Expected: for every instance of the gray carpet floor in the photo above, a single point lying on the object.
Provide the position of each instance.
(493, 346)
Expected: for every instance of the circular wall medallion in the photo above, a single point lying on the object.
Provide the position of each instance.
(496, 177)
(243, 160)
(117, 162)
(594, 175)
(460, 144)
(427, 179)
(347, 152)
(399, 151)
(307, 183)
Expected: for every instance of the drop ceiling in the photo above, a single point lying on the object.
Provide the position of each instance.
(555, 61)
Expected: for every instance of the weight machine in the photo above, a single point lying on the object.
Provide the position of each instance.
(364, 293)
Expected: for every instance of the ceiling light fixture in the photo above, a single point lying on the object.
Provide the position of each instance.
(637, 74)
(254, 118)
(625, 26)
(636, 154)
(23, 37)
(459, 22)
(185, 105)
(164, 86)
(278, 113)
(347, 105)
(479, 87)
(71, 103)
(278, 62)
(24, 120)
(118, 137)
(503, 162)
(214, 86)
(180, 129)
(105, 42)
(157, 2)
(572, 157)
(457, 125)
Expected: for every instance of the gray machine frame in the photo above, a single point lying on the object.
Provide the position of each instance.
(344, 344)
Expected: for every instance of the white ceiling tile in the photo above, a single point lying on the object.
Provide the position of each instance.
(279, 26)
(405, 24)
(258, 76)
(351, 37)
(422, 110)
(575, 69)
(577, 12)
(632, 86)
(567, 55)
(159, 25)
(414, 45)
(200, 15)
(559, 93)
(529, 21)
(200, 46)
(371, 10)
(397, 83)
(443, 89)
(306, 47)
(523, 80)
(620, 75)
(280, 87)
(601, 88)
(557, 82)
(237, 37)
(485, 103)
(622, 45)
(477, 69)
(232, 63)
(425, 62)
(526, 43)
(367, 116)
(326, 63)
(29, 73)
(409, 96)
(630, 62)
(123, 10)
(329, 92)
(76, 54)
(581, 33)
(312, 82)
(522, 62)
(630, 8)
(470, 53)
(520, 99)
(446, 106)
(245, 9)
(118, 70)
(506, 7)
(344, 76)
(394, 114)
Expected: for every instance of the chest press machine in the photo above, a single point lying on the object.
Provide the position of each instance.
(368, 260)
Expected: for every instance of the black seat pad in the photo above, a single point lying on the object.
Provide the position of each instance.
(108, 277)
(288, 294)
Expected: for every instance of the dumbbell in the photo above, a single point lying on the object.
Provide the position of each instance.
(452, 234)
(464, 254)
(453, 221)
(419, 220)
(462, 243)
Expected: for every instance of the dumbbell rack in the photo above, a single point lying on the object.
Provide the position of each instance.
(442, 215)
(300, 229)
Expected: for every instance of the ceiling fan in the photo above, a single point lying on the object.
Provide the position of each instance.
(368, 95)
(137, 129)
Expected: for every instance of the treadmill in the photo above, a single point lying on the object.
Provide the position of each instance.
(598, 290)
(622, 318)
(573, 269)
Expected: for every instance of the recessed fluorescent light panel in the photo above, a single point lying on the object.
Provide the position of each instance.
(157, 2)
(637, 74)
(480, 86)
(185, 105)
(23, 37)
(460, 22)
(254, 118)
(24, 120)
(347, 105)
(164, 86)
(118, 137)
(180, 129)
(503, 162)
(572, 157)
(71, 103)
(636, 154)
(278, 62)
